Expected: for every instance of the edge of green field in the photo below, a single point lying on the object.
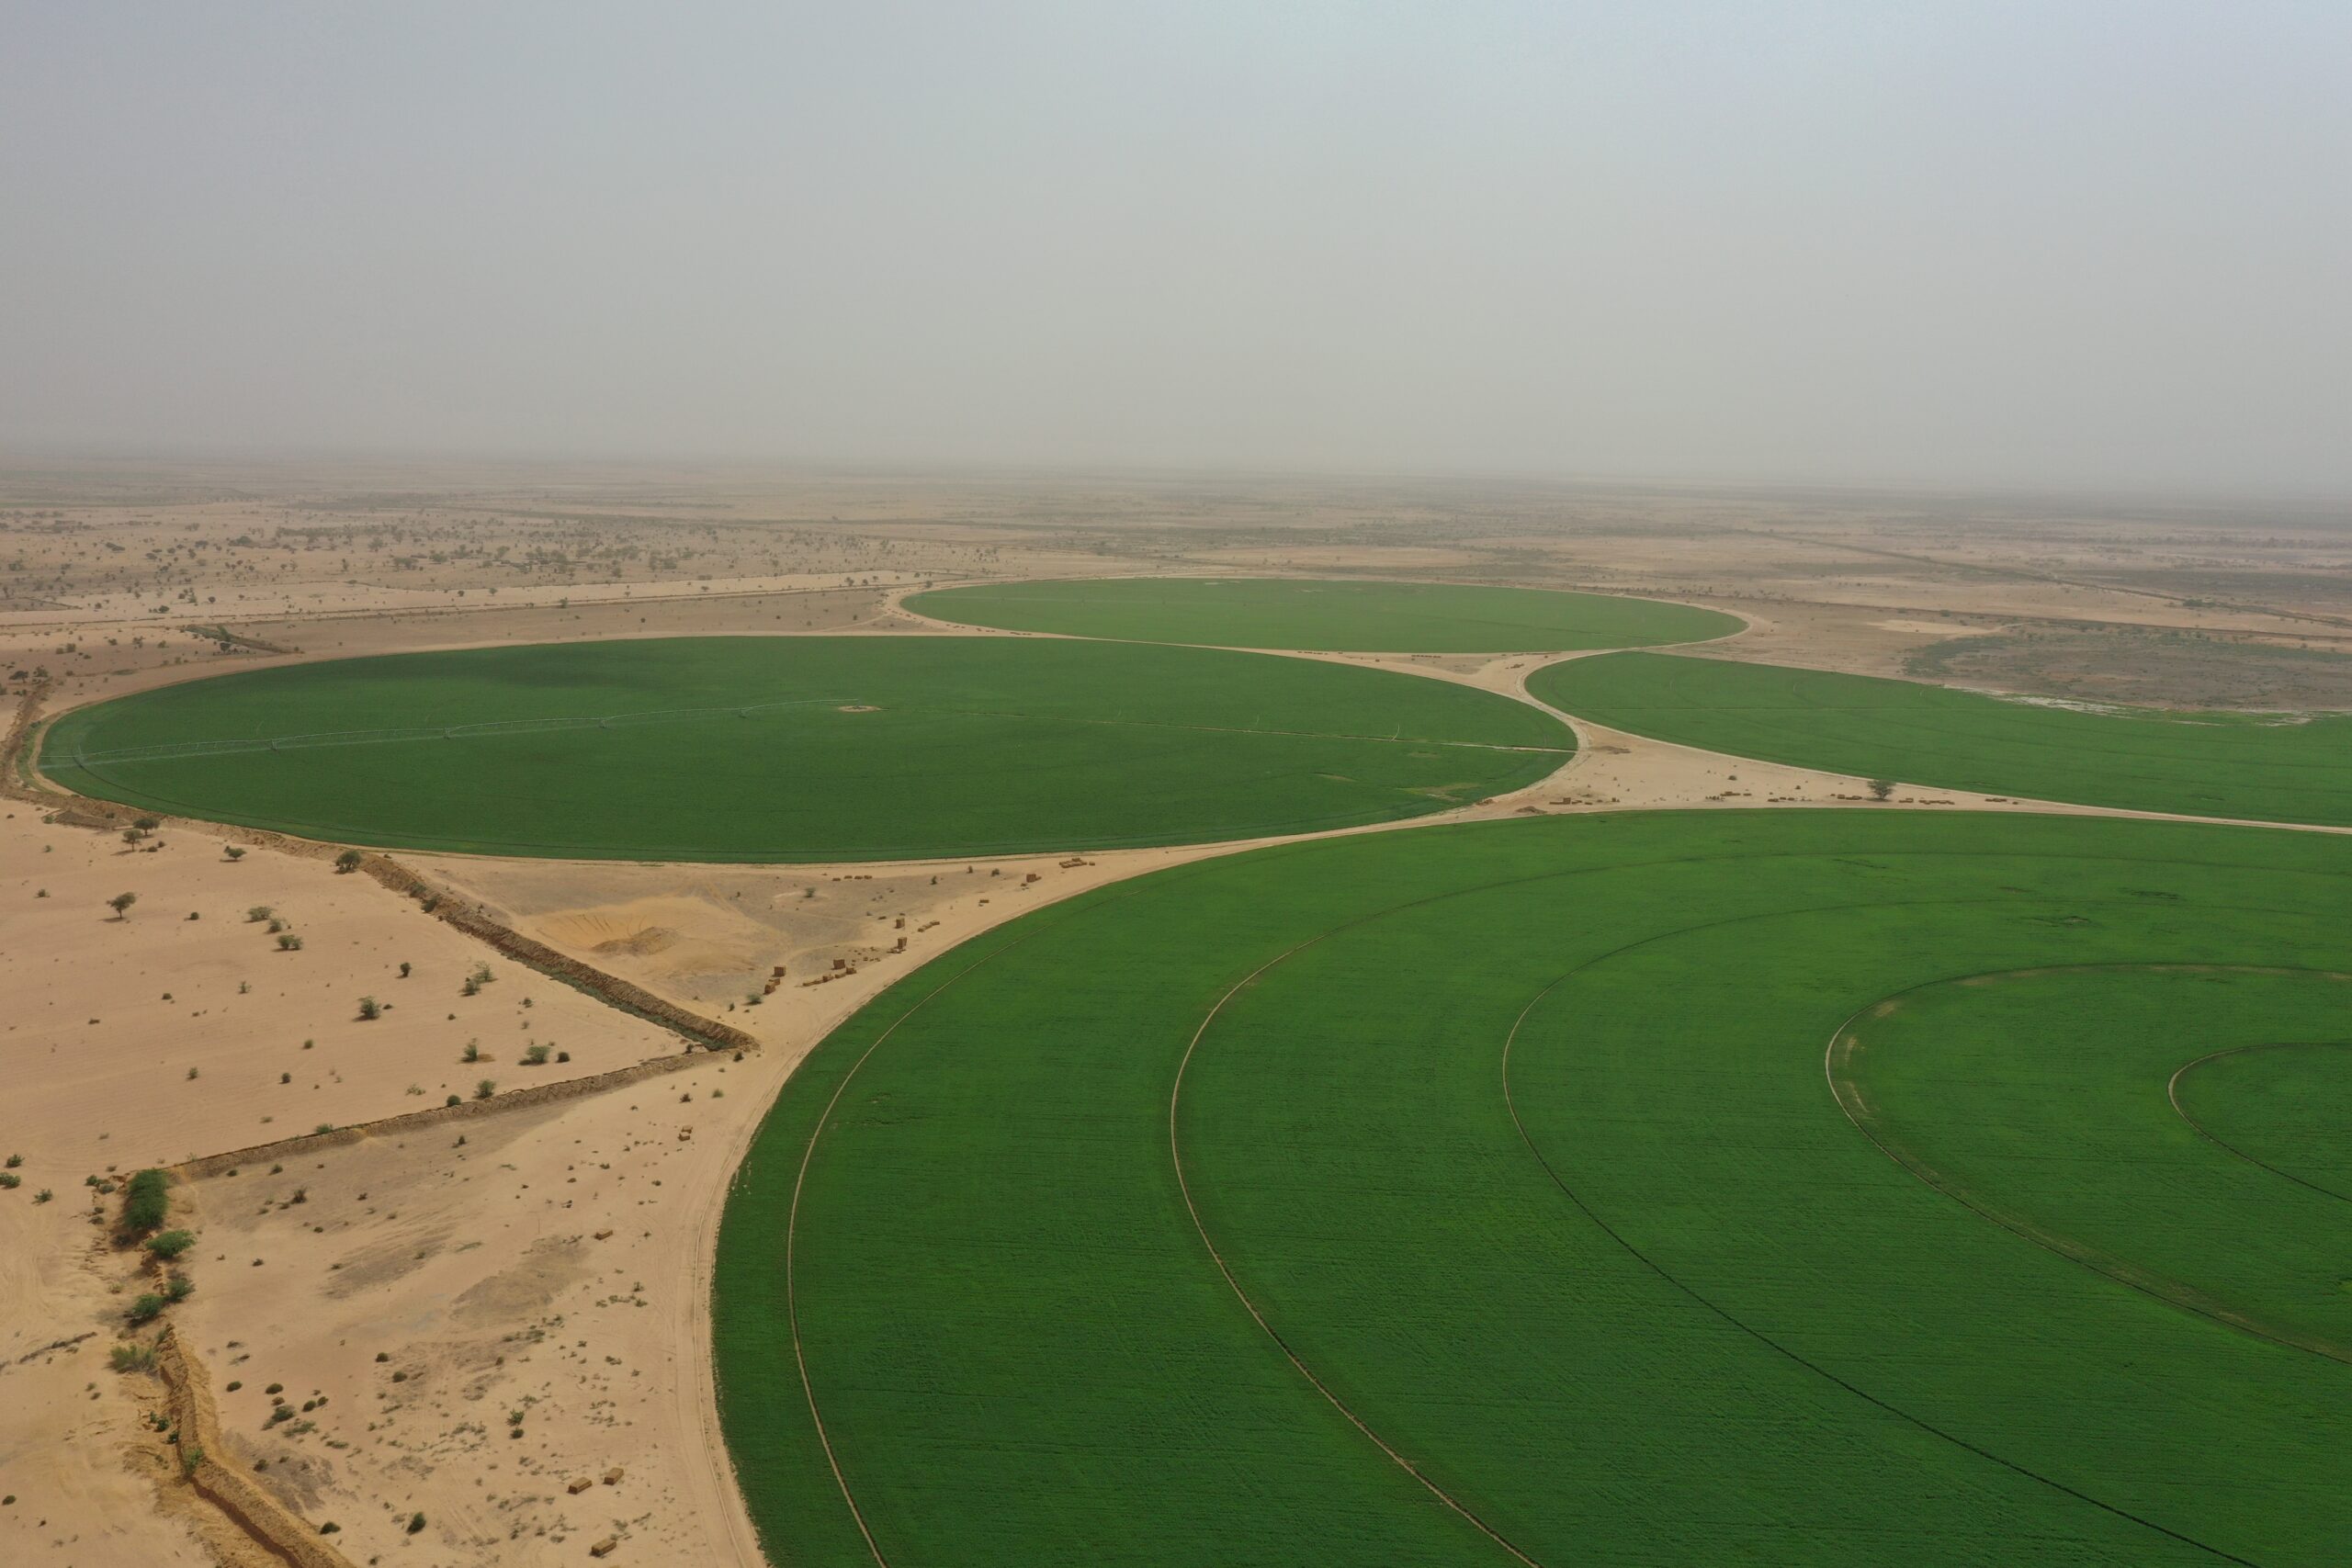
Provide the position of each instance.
(862, 749)
(1371, 616)
(995, 1262)
(2270, 768)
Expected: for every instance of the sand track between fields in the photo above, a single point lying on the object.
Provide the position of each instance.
(679, 1451)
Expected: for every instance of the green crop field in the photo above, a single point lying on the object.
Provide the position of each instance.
(2266, 768)
(1369, 617)
(1788, 1188)
(804, 748)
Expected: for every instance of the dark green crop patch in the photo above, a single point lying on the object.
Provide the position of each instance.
(805, 749)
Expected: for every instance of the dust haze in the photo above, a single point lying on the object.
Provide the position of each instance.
(2087, 244)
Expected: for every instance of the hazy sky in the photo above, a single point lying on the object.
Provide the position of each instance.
(2081, 244)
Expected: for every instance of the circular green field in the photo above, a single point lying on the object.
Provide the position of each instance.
(2266, 767)
(1365, 618)
(1769, 1187)
(804, 748)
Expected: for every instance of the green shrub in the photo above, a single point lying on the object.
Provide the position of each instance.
(171, 1244)
(147, 1308)
(485, 1088)
(146, 1202)
(131, 1357)
(370, 1009)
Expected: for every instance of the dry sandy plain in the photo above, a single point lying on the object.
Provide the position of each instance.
(477, 1319)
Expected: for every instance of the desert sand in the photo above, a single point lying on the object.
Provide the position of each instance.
(466, 1318)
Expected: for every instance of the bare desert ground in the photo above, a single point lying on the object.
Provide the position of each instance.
(472, 1322)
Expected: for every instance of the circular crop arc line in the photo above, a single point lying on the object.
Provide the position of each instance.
(1176, 1156)
(1176, 1090)
(2172, 1092)
(1146, 884)
(1658, 1269)
(1936, 1181)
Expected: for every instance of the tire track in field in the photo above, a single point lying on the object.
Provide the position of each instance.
(1141, 886)
(2172, 1093)
(1621, 1241)
(1846, 1092)
(1734, 1320)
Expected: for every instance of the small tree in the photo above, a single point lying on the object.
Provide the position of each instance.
(347, 861)
(1881, 788)
(234, 851)
(121, 904)
(147, 825)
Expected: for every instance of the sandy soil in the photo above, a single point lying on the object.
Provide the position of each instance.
(553, 1264)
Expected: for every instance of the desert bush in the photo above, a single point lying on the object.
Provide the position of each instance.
(534, 1055)
(347, 861)
(234, 851)
(131, 1357)
(259, 913)
(147, 1308)
(288, 942)
(485, 1088)
(146, 1200)
(170, 1244)
(369, 1007)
